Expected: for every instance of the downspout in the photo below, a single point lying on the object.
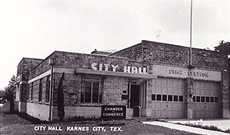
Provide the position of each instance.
(51, 63)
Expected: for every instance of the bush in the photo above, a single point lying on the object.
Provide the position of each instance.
(227, 131)
(214, 128)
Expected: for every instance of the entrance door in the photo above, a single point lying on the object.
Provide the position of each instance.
(135, 99)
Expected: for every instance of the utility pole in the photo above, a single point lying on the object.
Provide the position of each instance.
(189, 92)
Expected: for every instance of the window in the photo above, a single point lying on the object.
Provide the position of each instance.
(164, 97)
(216, 99)
(175, 98)
(22, 93)
(28, 93)
(181, 98)
(31, 91)
(194, 98)
(47, 88)
(207, 99)
(153, 97)
(202, 99)
(197, 98)
(169, 97)
(40, 91)
(91, 92)
(211, 99)
(87, 89)
(95, 92)
(158, 97)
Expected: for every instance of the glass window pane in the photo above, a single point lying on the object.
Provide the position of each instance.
(181, 98)
(175, 98)
(194, 98)
(211, 99)
(95, 92)
(91, 92)
(164, 97)
(40, 90)
(87, 89)
(198, 98)
(207, 99)
(82, 96)
(216, 99)
(159, 97)
(100, 97)
(169, 97)
(153, 97)
(47, 88)
(202, 99)
(31, 91)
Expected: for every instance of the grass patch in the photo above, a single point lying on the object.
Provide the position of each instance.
(151, 119)
(77, 120)
(99, 121)
(31, 119)
(81, 119)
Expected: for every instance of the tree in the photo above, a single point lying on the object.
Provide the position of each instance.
(10, 92)
(60, 99)
(2, 95)
(223, 47)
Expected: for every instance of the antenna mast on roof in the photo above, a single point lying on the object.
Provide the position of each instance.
(190, 42)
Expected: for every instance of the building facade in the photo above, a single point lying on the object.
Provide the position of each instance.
(150, 79)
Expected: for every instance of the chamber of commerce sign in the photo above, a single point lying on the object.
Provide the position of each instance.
(117, 68)
(178, 72)
(111, 112)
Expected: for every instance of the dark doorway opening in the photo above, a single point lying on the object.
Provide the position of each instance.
(135, 100)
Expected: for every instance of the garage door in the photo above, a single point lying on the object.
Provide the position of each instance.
(167, 98)
(207, 99)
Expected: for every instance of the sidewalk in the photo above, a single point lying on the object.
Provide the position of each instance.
(186, 128)
(223, 124)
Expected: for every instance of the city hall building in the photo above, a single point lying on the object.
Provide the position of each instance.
(149, 79)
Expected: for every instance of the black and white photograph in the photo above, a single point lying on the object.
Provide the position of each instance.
(114, 67)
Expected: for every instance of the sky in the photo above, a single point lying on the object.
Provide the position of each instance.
(35, 28)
